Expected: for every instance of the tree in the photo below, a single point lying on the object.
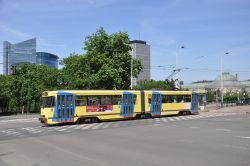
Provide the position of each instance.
(76, 72)
(4, 100)
(210, 95)
(24, 89)
(155, 85)
(106, 64)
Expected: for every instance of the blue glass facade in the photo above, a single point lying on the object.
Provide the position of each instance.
(48, 59)
(14, 54)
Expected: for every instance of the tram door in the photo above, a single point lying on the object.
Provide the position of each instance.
(65, 107)
(194, 103)
(127, 107)
(156, 104)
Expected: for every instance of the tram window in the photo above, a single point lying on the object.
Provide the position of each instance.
(106, 100)
(187, 98)
(93, 100)
(149, 99)
(81, 100)
(170, 99)
(135, 97)
(63, 103)
(164, 99)
(180, 99)
(69, 100)
(48, 101)
(116, 99)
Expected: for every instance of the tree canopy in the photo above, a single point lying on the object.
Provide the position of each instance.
(106, 64)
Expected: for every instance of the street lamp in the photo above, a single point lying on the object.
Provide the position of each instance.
(221, 81)
(177, 60)
(131, 70)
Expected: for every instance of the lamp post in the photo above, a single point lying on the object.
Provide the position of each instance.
(131, 70)
(221, 81)
(177, 60)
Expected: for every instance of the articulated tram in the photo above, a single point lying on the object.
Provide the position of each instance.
(77, 106)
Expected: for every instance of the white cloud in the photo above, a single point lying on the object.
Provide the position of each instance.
(13, 32)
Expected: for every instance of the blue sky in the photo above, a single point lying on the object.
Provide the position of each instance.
(207, 29)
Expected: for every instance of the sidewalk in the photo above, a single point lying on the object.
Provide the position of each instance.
(20, 116)
(238, 109)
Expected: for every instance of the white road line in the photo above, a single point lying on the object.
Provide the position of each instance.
(243, 137)
(97, 126)
(87, 127)
(32, 129)
(80, 126)
(176, 118)
(183, 118)
(61, 128)
(164, 119)
(189, 117)
(9, 132)
(70, 128)
(227, 130)
(106, 125)
(171, 119)
(198, 116)
(194, 116)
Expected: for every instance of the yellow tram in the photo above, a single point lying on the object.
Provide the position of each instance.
(76, 106)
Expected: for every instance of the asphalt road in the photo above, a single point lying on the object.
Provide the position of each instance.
(209, 139)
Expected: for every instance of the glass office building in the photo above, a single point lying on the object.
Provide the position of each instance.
(15, 54)
(48, 59)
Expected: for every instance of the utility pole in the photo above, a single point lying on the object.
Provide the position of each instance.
(221, 79)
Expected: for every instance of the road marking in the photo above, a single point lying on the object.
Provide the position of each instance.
(31, 129)
(9, 132)
(183, 118)
(106, 125)
(243, 137)
(97, 126)
(80, 126)
(227, 130)
(164, 119)
(189, 117)
(87, 127)
(171, 119)
(176, 118)
(71, 128)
